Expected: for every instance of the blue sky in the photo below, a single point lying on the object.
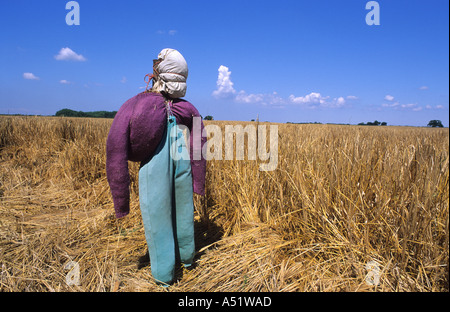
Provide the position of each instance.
(297, 61)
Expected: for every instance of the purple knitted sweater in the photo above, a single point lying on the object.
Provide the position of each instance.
(135, 134)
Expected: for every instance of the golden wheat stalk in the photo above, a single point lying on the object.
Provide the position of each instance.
(341, 198)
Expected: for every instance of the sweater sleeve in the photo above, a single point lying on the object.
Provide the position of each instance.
(117, 149)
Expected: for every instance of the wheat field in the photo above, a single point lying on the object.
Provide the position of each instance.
(341, 197)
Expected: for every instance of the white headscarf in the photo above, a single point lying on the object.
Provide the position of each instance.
(173, 72)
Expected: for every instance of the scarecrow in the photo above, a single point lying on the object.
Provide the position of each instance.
(145, 130)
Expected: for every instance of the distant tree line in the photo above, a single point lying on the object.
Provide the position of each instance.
(97, 114)
(435, 123)
(302, 123)
(375, 123)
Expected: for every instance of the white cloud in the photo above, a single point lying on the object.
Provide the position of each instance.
(335, 103)
(315, 100)
(312, 98)
(123, 80)
(30, 76)
(340, 101)
(436, 107)
(275, 99)
(224, 84)
(171, 32)
(64, 81)
(243, 97)
(225, 89)
(411, 105)
(66, 54)
(394, 104)
(423, 88)
(389, 98)
(260, 98)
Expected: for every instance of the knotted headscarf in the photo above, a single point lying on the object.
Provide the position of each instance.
(170, 72)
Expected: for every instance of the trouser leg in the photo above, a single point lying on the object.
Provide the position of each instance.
(155, 196)
(183, 198)
(167, 207)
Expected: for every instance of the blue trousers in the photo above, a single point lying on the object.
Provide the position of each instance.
(166, 202)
